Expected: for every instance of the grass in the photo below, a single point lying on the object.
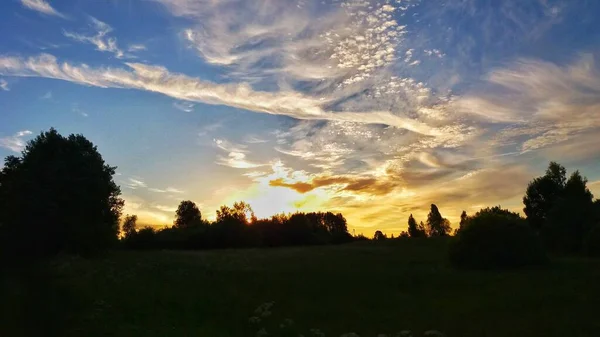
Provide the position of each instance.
(367, 288)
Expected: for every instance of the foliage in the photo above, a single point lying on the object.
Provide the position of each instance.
(238, 227)
(543, 193)
(561, 210)
(436, 224)
(495, 238)
(129, 227)
(59, 196)
(187, 215)
(379, 236)
(414, 230)
(591, 244)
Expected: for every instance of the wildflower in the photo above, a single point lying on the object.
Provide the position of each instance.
(317, 332)
(405, 333)
(434, 333)
(262, 332)
(254, 320)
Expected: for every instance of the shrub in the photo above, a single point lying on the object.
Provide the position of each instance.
(495, 238)
(591, 244)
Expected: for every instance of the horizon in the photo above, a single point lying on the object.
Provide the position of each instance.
(375, 109)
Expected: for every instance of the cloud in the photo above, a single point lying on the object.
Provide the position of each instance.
(4, 85)
(368, 185)
(163, 208)
(136, 47)
(47, 95)
(100, 39)
(41, 6)
(240, 95)
(135, 183)
(16, 142)
(184, 106)
(540, 103)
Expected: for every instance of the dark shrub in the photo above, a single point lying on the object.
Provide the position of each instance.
(591, 243)
(495, 239)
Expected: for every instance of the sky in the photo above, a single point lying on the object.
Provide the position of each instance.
(375, 109)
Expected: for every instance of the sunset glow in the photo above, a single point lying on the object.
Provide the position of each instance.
(375, 109)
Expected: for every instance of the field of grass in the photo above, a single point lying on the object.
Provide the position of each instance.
(368, 288)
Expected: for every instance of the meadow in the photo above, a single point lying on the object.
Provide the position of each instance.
(368, 288)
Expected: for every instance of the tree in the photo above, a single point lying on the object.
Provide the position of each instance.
(414, 230)
(436, 224)
(379, 236)
(542, 193)
(240, 212)
(571, 217)
(188, 215)
(129, 226)
(495, 238)
(59, 196)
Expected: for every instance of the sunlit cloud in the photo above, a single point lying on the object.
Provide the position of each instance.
(41, 6)
(16, 142)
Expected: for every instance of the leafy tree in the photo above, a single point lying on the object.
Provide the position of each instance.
(436, 224)
(188, 215)
(379, 236)
(571, 217)
(129, 225)
(542, 194)
(59, 196)
(240, 212)
(404, 234)
(414, 230)
(495, 238)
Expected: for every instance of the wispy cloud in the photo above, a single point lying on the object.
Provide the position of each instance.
(236, 155)
(136, 47)
(47, 95)
(16, 142)
(4, 85)
(101, 40)
(184, 106)
(41, 6)
(241, 95)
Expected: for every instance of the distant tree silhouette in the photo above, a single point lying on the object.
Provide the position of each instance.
(404, 234)
(436, 224)
(129, 225)
(187, 215)
(463, 219)
(59, 196)
(240, 212)
(414, 230)
(542, 194)
(379, 236)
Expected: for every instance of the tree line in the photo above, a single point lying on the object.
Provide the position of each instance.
(59, 196)
(235, 227)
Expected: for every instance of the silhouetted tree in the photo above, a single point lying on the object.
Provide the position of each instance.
(187, 215)
(379, 236)
(129, 226)
(542, 193)
(436, 224)
(571, 217)
(404, 234)
(414, 230)
(240, 212)
(495, 238)
(463, 219)
(59, 196)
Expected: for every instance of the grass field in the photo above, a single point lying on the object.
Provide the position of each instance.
(368, 288)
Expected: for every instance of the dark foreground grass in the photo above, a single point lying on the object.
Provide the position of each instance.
(366, 288)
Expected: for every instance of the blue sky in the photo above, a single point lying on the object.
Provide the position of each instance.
(372, 108)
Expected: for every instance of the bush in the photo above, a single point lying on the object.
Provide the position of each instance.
(591, 244)
(496, 239)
